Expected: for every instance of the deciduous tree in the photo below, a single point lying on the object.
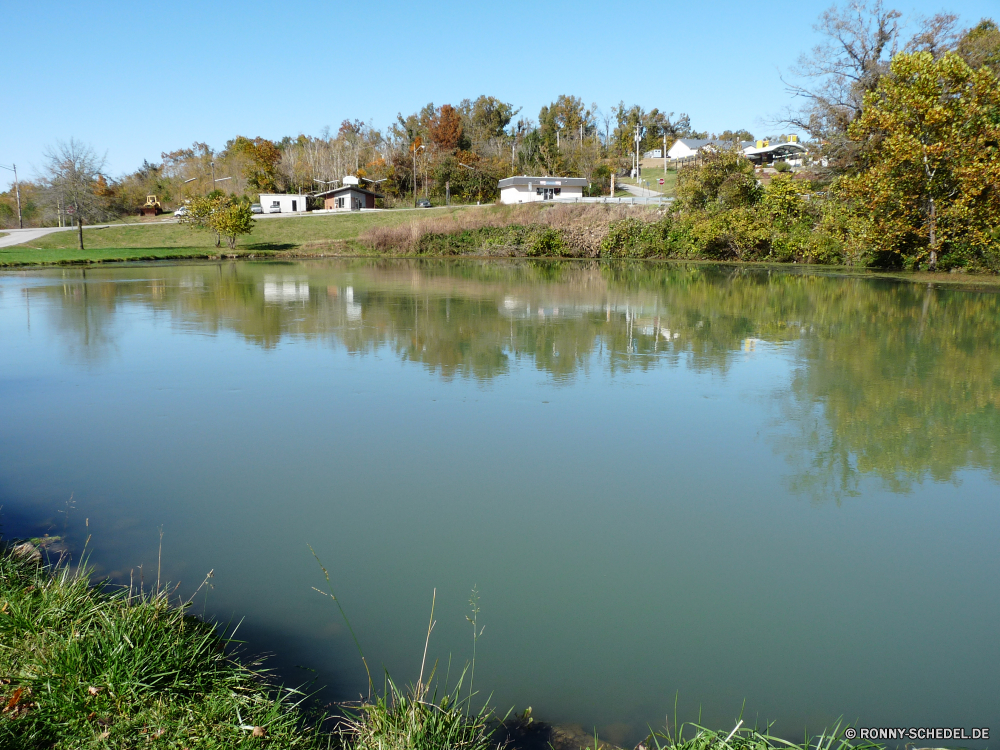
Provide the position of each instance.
(233, 221)
(980, 46)
(259, 159)
(445, 128)
(72, 172)
(930, 169)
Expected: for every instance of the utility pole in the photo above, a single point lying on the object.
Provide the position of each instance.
(79, 225)
(637, 152)
(213, 175)
(664, 157)
(415, 174)
(17, 191)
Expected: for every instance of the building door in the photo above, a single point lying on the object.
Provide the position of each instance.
(294, 206)
(547, 195)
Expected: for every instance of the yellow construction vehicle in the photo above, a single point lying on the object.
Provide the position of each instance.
(152, 207)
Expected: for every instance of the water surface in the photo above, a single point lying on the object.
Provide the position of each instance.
(721, 483)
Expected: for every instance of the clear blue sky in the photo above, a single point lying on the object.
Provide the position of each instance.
(135, 79)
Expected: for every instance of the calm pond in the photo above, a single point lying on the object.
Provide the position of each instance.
(720, 483)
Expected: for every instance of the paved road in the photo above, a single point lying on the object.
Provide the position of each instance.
(20, 236)
(17, 236)
(639, 192)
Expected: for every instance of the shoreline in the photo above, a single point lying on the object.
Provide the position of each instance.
(967, 281)
(178, 679)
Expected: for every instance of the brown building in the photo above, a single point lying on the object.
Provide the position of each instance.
(349, 198)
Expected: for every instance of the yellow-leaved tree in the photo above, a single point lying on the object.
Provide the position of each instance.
(928, 181)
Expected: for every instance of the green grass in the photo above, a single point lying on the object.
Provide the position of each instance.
(102, 666)
(693, 736)
(21, 256)
(85, 666)
(652, 174)
(149, 241)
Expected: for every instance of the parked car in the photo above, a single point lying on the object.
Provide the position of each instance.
(256, 208)
(423, 203)
(182, 211)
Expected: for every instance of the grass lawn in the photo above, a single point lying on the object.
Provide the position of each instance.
(652, 175)
(147, 241)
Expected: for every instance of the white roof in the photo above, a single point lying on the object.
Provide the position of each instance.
(780, 148)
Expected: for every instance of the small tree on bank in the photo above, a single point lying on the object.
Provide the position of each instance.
(200, 211)
(73, 181)
(221, 215)
(232, 221)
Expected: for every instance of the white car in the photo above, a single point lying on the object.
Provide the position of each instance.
(182, 211)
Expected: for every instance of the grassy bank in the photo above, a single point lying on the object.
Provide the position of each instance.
(596, 231)
(103, 667)
(100, 666)
(291, 236)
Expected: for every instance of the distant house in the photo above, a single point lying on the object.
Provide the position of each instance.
(656, 153)
(685, 148)
(349, 198)
(759, 152)
(526, 189)
(764, 152)
(282, 203)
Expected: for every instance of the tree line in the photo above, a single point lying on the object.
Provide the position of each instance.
(907, 130)
(903, 130)
(463, 149)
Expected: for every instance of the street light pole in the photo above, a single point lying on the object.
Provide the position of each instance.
(415, 174)
(17, 191)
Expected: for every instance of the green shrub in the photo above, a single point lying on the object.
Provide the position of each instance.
(782, 166)
(545, 241)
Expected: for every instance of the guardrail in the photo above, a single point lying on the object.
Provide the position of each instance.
(653, 200)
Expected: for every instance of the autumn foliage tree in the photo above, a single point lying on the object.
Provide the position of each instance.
(928, 177)
(259, 158)
(445, 128)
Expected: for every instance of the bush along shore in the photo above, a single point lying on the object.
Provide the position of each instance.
(721, 214)
(93, 665)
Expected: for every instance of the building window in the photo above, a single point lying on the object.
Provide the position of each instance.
(340, 202)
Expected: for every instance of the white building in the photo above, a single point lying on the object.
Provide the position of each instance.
(529, 189)
(760, 152)
(763, 152)
(685, 148)
(282, 203)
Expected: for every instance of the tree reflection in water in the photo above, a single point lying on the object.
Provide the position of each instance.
(892, 380)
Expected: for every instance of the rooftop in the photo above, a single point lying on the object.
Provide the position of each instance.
(544, 181)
